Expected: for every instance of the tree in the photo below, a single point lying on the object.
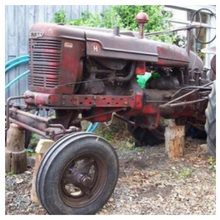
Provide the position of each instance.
(124, 17)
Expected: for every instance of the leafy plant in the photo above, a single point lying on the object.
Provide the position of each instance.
(157, 19)
(30, 153)
(12, 172)
(138, 149)
(212, 166)
(107, 19)
(122, 148)
(124, 17)
(184, 174)
(59, 17)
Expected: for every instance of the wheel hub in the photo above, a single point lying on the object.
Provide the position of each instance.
(85, 180)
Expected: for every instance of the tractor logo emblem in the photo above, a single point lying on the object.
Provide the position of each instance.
(95, 48)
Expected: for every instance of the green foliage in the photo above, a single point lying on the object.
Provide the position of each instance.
(212, 166)
(107, 19)
(59, 17)
(124, 17)
(35, 138)
(12, 172)
(138, 149)
(184, 174)
(30, 153)
(156, 13)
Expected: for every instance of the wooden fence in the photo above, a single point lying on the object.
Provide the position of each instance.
(18, 20)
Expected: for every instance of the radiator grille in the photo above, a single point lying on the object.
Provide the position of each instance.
(45, 62)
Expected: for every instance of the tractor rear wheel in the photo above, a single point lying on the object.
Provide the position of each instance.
(147, 137)
(77, 175)
(210, 126)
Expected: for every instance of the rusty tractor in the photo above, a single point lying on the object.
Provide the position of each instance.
(91, 74)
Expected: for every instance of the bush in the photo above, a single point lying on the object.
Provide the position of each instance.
(124, 17)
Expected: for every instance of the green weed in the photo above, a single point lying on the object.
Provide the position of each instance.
(12, 172)
(212, 166)
(184, 174)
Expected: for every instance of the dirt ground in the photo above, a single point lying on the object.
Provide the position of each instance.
(149, 184)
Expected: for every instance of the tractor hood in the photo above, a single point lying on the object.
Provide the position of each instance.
(109, 43)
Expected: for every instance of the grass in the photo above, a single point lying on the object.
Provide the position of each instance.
(12, 172)
(212, 166)
(184, 174)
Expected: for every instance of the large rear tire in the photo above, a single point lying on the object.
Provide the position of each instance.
(77, 175)
(147, 137)
(210, 126)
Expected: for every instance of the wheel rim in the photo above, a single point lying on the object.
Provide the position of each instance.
(83, 179)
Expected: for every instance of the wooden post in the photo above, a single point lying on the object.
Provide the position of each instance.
(174, 139)
(42, 146)
(15, 153)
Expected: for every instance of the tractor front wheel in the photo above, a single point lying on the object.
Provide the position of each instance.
(77, 175)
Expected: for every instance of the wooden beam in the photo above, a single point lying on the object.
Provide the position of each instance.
(42, 146)
(15, 153)
(174, 139)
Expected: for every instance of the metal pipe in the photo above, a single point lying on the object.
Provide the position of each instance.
(188, 27)
(29, 115)
(156, 122)
(27, 127)
(193, 87)
(129, 76)
(184, 103)
(123, 119)
(60, 126)
(7, 108)
(174, 100)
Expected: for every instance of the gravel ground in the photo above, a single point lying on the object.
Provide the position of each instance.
(149, 184)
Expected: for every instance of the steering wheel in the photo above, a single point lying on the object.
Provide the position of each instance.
(200, 21)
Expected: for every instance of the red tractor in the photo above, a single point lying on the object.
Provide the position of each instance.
(90, 74)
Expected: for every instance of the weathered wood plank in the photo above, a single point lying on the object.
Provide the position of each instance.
(18, 20)
(42, 146)
(174, 140)
(15, 154)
